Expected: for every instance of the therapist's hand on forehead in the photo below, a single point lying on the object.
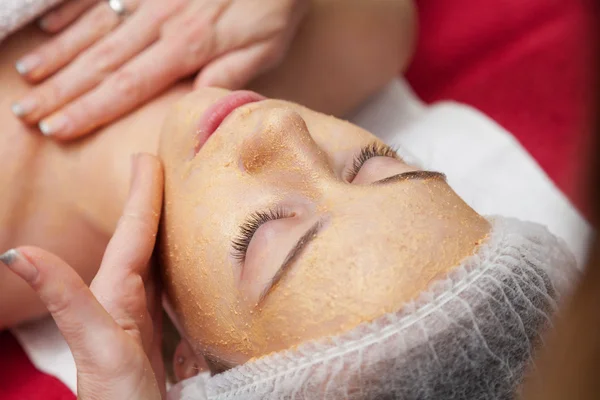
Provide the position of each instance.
(113, 328)
(110, 56)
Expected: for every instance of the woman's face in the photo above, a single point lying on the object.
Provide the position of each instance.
(290, 225)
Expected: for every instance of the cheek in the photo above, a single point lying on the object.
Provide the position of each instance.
(337, 286)
(323, 295)
(199, 280)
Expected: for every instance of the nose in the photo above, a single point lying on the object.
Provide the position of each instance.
(283, 144)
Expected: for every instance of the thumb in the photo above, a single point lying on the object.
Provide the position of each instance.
(236, 69)
(83, 322)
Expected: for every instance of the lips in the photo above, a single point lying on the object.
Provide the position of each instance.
(216, 113)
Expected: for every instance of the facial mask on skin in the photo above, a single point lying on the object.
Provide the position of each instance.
(469, 336)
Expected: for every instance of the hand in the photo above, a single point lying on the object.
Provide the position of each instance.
(101, 74)
(113, 328)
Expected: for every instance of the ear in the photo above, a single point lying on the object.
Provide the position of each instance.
(185, 363)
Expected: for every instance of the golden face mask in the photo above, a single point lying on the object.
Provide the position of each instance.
(288, 225)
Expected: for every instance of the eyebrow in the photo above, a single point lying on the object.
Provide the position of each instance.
(300, 245)
(412, 175)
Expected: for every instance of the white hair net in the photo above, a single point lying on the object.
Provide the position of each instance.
(469, 336)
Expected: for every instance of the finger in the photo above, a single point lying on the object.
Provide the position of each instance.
(89, 69)
(82, 321)
(119, 284)
(136, 82)
(235, 69)
(131, 246)
(59, 51)
(64, 14)
(155, 354)
(278, 20)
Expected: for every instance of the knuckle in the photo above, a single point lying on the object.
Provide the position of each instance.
(54, 90)
(49, 94)
(101, 20)
(193, 34)
(62, 301)
(58, 49)
(102, 56)
(127, 83)
(59, 305)
(160, 14)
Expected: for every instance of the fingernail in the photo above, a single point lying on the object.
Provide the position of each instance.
(24, 107)
(180, 360)
(56, 123)
(28, 63)
(19, 265)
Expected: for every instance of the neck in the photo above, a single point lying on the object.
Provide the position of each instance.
(57, 193)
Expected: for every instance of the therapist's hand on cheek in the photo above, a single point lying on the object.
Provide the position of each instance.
(113, 327)
(100, 66)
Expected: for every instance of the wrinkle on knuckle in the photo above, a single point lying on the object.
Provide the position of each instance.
(62, 299)
(51, 92)
(193, 41)
(161, 14)
(102, 58)
(101, 19)
(128, 84)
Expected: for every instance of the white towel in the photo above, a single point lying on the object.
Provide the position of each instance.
(15, 14)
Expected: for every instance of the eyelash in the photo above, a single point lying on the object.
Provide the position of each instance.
(375, 149)
(241, 242)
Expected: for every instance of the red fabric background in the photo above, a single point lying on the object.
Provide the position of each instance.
(19, 380)
(525, 63)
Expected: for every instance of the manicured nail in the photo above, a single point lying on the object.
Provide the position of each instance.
(18, 109)
(54, 124)
(19, 265)
(28, 63)
(24, 106)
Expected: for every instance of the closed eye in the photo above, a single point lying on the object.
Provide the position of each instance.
(375, 149)
(247, 230)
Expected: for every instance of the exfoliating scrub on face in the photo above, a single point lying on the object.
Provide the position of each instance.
(269, 208)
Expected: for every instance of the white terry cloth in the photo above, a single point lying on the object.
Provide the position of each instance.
(15, 14)
(484, 164)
